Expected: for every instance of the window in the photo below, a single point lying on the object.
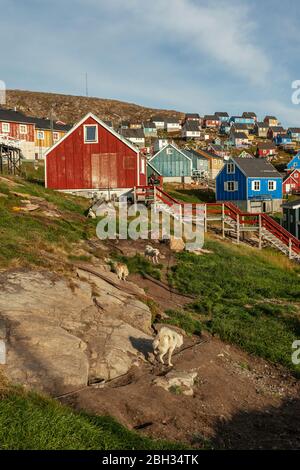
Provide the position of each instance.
(90, 133)
(169, 151)
(5, 127)
(143, 166)
(231, 186)
(256, 185)
(271, 185)
(296, 175)
(40, 135)
(55, 136)
(230, 168)
(23, 129)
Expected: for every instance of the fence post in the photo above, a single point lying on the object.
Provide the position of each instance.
(223, 221)
(259, 232)
(290, 248)
(238, 228)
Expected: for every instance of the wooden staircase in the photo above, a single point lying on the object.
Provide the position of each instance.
(265, 229)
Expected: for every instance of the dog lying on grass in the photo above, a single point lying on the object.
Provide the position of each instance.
(165, 342)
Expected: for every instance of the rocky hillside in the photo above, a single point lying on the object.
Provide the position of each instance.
(70, 108)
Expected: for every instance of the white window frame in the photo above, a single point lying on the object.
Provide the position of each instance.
(23, 129)
(40, 135)
(84, 134)
(235, 186)
(169, 151)
(228, 166)
(5, 127)
(253, 184)
(143, 166)
(273, 185)
(55, 136)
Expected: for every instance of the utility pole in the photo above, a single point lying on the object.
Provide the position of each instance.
(86, 85)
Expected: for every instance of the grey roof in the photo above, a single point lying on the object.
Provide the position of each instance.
(262, 124)
(10, 115)
(249, 114)
(217, 147)
(158, 118)
(271, 117)
(256, 167)
(192, 126)
(266, 145)
(240, 135)
(292, 204)
(172, 120)
(132, 133)
(211, 117)
(149, 125)
(295, 130)
(46, 124)
(239, 126)
(277, 129)
(192, 116)
(221, 114)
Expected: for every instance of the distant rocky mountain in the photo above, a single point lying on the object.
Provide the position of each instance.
(70, 108)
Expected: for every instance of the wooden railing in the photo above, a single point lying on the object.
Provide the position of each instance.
(243, 219)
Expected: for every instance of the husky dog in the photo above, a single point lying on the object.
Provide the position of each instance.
(91, 214)
(121, 271)
(152, 253)
(165, 342)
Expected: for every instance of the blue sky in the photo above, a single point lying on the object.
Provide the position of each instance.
(189, 55)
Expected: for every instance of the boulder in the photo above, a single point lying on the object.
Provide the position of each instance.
(177, 380)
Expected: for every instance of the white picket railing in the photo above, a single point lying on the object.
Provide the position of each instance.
(7, 140)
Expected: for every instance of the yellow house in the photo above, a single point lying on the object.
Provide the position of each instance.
(216, 163)
(47, 133)
(272, 121)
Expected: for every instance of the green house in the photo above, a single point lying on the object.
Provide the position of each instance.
(173, 164)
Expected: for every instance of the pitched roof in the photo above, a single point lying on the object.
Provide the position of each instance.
(42, 123)
(249, 114)
(239, 126)
(240, 135)
(175, 147)
(10, 115)
(277, 129)
(109, 129)
(191, 126)
(221, 114)
(262, 124)
(133, 133)
(292, 204)
(172, 120)
(207, 154)
(271, 117)
(211, 117)
(295, 130)
(149, 125)
(192, 116)
(157, 119)
(256, 167)
(266, 145)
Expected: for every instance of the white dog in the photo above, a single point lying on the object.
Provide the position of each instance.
(121, 271)
(165, 342)
(152, 253)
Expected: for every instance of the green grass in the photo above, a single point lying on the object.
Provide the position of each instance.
(183, 319)
(29, 421)
(244, 298)
(24, 234)
(190, 195)
(139, 264)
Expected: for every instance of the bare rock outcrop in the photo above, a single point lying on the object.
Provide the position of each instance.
(61, 334)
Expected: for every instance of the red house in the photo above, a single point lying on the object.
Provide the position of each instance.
(291, 183)
(266, 150)
(92, 156)
(19, 130)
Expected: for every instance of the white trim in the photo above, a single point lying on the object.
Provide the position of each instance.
(96, 134)
(109, 129)
(25, 127)
(253, 185)
(8, 127)
(153, 167)
(274, 185)
(40, 132)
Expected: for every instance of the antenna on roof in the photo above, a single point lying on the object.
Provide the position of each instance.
(86, 85)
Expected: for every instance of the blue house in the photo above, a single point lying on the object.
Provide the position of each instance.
(284, 139)
(173, 164)
(225, 128)
(294, 163)
(223, 116)
(253, 184)
(250, 121)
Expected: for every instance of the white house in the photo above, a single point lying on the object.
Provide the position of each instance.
(191, 130)
(159, 122)
(172, 125)
(136, 136)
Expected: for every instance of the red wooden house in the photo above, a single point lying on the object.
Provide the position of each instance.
(266, 150)
(92, 156)
(19, 130)
(291, 183)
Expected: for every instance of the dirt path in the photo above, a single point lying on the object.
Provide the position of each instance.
(239, 401)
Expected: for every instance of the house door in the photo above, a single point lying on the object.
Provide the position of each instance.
(287, 188)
